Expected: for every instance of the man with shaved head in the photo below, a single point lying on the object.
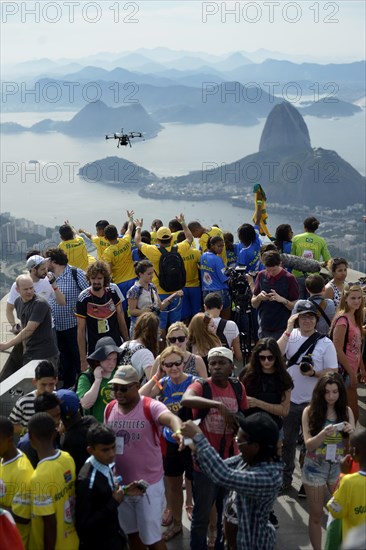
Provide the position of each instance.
(35, 316)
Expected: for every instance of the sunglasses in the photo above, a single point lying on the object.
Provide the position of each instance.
(241, 443)
(175, 364)
(266, 357)
(122, 388)
(174, 339)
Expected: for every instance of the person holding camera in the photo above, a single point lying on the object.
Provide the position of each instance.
(326, 423)
(143, 295)
(309, 356)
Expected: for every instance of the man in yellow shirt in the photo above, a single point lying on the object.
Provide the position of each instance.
(98, 240)
(204, 233)
(15, 475)
(74, 247)
(192, 299)
(118, 257)
(164, 238)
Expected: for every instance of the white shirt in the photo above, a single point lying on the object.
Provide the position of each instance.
(324, 357)
(231, 330)
(141, 359)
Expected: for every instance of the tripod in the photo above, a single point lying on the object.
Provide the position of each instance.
(243, 317)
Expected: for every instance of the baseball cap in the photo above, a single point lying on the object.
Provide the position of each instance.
(306, 306)
(125, 375)
(103, 348)
(69, 403)
(260, 428)
(35, 261)
(221, 352)
(163, 233)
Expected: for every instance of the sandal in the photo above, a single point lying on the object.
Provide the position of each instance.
(167, 517)
(189, 511)
(173, 531)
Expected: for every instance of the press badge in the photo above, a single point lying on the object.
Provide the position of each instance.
(331, 452)
(120, 445)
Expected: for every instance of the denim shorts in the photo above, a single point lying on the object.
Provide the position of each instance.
(225, 296)
(320, 472)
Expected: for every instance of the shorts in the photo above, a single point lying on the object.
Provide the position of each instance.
(168, 317)
(192, 301)
(177, 462)
(225, 296)
(142, 515)
(320, 472)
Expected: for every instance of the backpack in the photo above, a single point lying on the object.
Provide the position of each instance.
(172, 273)
(341, 370)
(146, 403)
(127, 353)
(74, 273)
(220, 333)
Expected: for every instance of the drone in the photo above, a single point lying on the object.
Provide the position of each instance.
(124, 139)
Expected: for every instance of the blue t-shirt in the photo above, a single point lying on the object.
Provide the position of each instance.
(212, 272)
(171, 396)
(249, 256)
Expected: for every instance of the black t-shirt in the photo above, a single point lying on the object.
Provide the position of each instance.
(101, 316)
(270, 389)
(75, 443)
(41, 344)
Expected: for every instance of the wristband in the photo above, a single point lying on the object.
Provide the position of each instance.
(288, 334)
(55, 288)
(157, 382)
(131, 219)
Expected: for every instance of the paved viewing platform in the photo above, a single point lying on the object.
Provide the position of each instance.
(290, 510)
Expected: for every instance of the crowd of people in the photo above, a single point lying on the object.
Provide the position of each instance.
(148, 405)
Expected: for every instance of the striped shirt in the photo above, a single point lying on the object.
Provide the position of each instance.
(257, 488)
(23, 409)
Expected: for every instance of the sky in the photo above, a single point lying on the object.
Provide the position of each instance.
(313, 30)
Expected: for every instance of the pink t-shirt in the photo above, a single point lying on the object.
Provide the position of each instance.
(138, 452)
(213, 425)
(354, 343)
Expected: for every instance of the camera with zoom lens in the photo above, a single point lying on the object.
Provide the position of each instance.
(306, 363)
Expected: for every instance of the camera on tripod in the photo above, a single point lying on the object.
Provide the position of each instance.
(239, 286)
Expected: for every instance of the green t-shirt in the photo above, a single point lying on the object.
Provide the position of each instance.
(104, 395)
(309, 245)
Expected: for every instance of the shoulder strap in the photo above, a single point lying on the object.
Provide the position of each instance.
(207, 394)
(146, 404)
(220, 332)
(109, 408)
(238, 389)
(304, 347)
(74, 273)
(321, 309)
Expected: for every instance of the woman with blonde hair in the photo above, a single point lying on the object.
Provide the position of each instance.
(346, 331)
(202, 335)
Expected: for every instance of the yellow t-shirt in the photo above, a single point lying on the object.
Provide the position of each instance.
(214, 232)
(120, 257)
(349, 502)
(53, 492)
(154, 240)
(15, 479)
(153, 254)
(101, 244)
(191, 260)
(76, 252)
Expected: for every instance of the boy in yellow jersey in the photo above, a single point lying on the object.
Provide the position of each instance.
(192, 299)
(156, 224)
(52, 490)
(15, 476)
(118, 257)
(74, 247)
(204, 233)
(164, 237)
(98, 240)
(348, 503)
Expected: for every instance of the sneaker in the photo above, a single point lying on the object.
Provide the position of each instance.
(301, 493)
(274, 520)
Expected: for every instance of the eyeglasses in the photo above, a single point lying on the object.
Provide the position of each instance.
(266, 357)
(174, 339)
(175, 364)
(122, 388)
(241, 443)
